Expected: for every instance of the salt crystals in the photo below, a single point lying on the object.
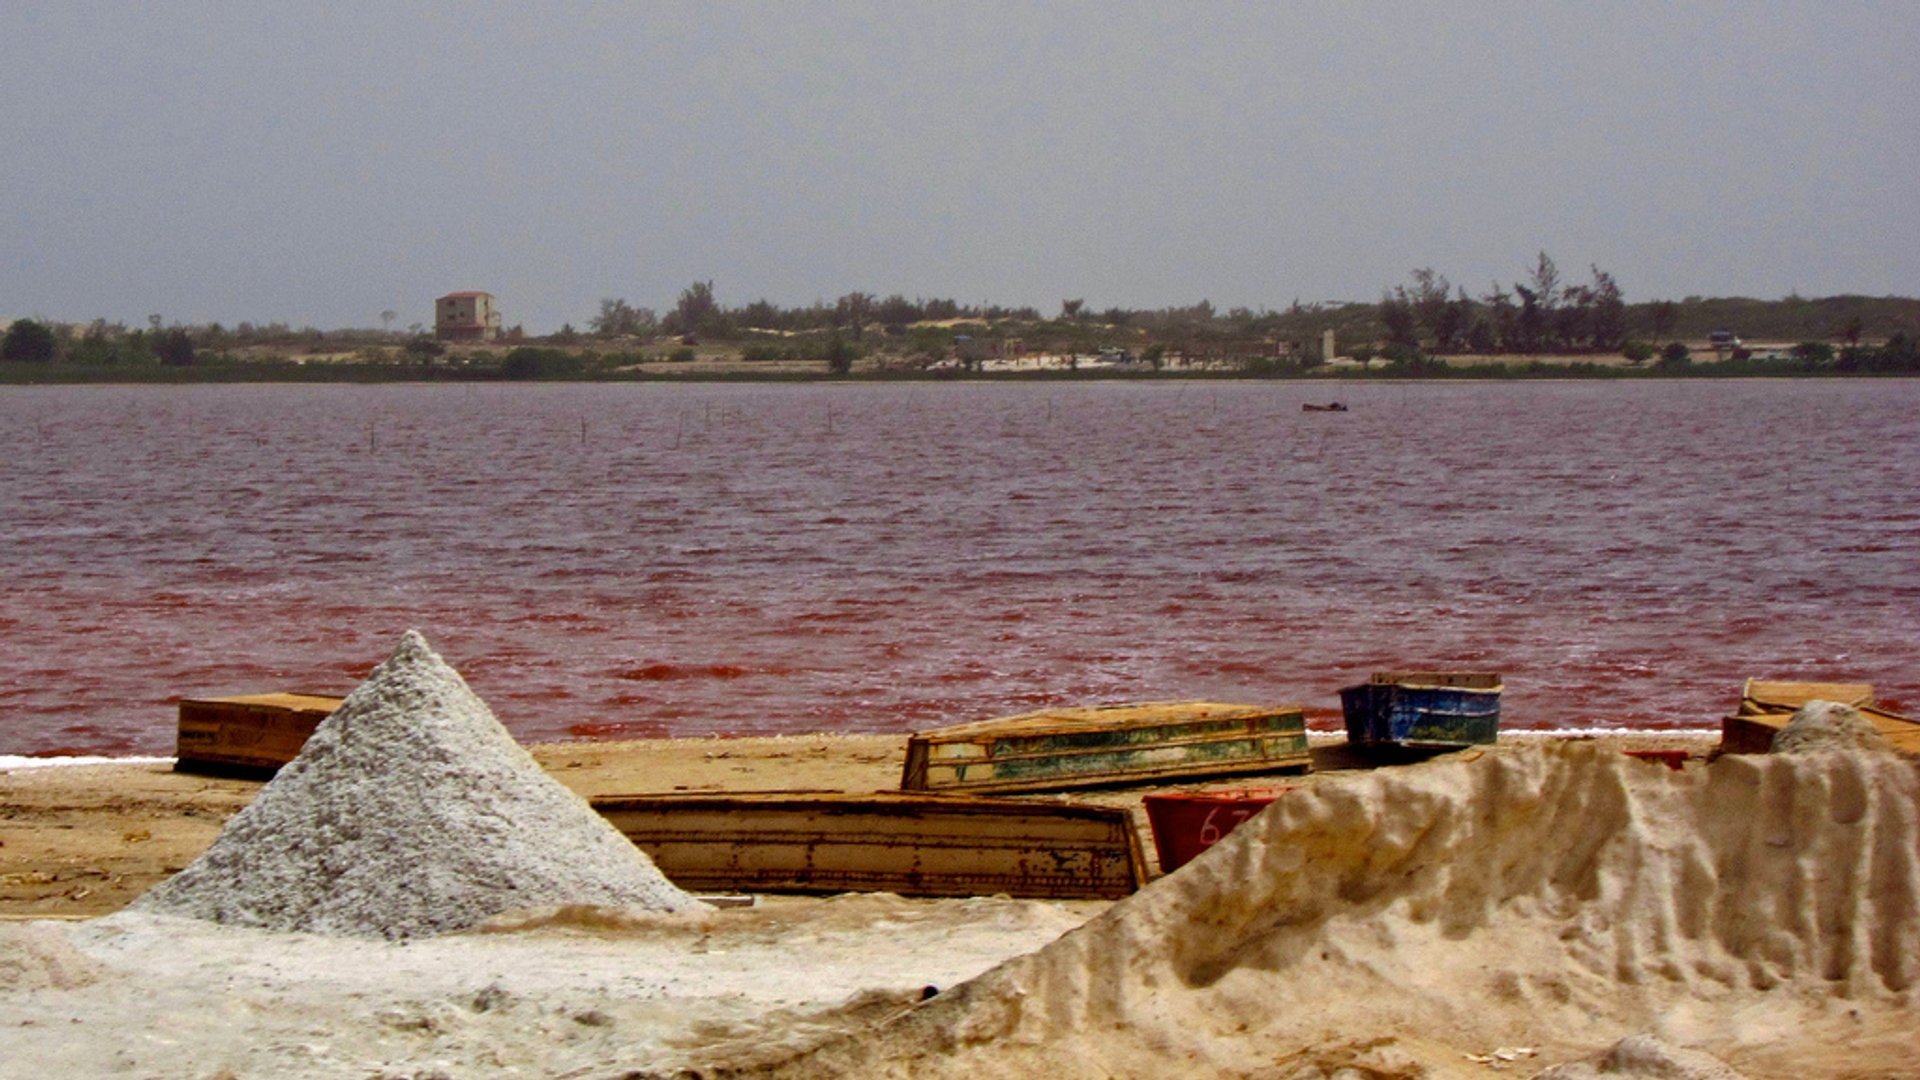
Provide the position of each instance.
(411, 811)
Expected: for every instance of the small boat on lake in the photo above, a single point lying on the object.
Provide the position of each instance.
(1329, 407)
(913, 845)
(1423, 710)
(1053, 749)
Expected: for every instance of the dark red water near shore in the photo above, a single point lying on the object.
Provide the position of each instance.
(606, 561)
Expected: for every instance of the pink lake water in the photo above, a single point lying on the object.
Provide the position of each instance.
(644, 560)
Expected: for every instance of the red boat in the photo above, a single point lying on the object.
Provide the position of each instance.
(1187, 823)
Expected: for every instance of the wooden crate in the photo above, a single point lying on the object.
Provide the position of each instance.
(1055, 749)
(913, 845)
(250, 735)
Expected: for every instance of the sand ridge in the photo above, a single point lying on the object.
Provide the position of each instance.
(1529, 908)
(1556, 897)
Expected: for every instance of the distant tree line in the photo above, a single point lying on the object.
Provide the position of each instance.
(104, 343)
(1541, 314)
(33, 341)
(699, 313)
(1413, 323)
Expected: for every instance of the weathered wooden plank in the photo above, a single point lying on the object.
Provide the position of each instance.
(1766, 696)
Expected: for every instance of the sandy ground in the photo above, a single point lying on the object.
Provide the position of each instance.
(590, 993)
(81, 841)
(89, 990)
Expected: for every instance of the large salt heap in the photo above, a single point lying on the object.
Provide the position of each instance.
(1530, 907)
(411, 811)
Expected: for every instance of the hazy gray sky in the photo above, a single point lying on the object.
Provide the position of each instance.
(320, 162)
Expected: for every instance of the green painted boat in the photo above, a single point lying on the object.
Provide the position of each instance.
(1136, 743)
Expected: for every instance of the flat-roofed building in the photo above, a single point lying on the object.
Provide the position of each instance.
(466, 316)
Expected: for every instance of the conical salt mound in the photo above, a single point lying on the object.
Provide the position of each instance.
(411, 811)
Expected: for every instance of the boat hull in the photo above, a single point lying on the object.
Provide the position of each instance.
(1766, 707)
(913, 845)
(1423, 710)
(1058, 749)
(250, 736)
(1184, 824)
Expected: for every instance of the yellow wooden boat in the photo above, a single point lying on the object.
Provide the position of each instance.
(913, 845)
(248, 735)
(1110, 744)
(1767, 706)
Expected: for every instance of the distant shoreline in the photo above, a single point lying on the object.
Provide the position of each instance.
(1559, 369)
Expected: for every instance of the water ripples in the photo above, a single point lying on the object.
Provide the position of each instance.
(646, 560)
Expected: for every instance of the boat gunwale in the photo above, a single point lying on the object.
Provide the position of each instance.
(880, 801)
(1301, 761)
(1072, 719)
(995, 756)
(1483, 682)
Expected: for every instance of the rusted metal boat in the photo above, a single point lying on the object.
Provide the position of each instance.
(1054, 749)
(250, 735)
(913, 845)
(1184, 824)
(1429, 710)
(1766, 706)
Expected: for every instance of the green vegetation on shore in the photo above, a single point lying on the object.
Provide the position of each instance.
(1426, 328)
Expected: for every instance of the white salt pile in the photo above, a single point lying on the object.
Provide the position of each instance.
(410, 811)
(1829, 725)
(1530, 908)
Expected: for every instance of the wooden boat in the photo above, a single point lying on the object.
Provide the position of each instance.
(914, 845)
(1185, 824)
(1767, 706)
(1423, 709)
(249, 735)
(1055, 749)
